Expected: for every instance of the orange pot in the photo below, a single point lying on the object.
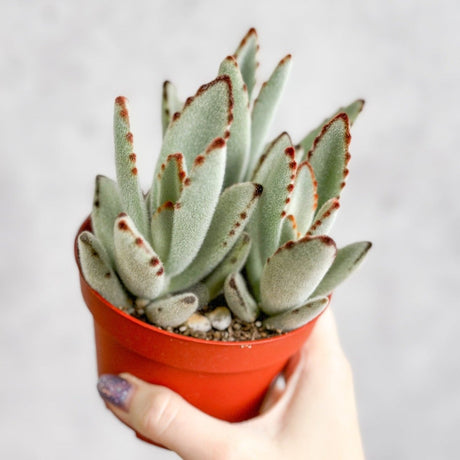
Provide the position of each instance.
(227, 380)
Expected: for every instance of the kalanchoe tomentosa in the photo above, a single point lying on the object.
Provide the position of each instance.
(226, 211)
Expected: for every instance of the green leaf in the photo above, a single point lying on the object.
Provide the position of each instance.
(294, 271)
(270, 157)
(170, 180)
(172, 311)
(233, 262)
(240, 130)
(106, 207)
(195, 208)
(205, 117)
(267, 166)
(238, 298)
(137, 263)
(278, 186)
(170, 104)
(98, 271)
(325, 218)
(293, 319)
(303, 198)
(233, 210)
(125, 160)
(162, 222)
(288, 229)
(347, 261)
(246, 56)
(264, 109)
(352, 110)
(329, 158)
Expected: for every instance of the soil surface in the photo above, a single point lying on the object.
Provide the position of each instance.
(238, 331)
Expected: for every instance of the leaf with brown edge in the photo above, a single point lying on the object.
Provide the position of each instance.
(138, 265)
(325, 218)
(238, 298)
(288, 230)
(329, 158)
(240, 131)
(194, 210)
(98, 272)
(232, 212)
(170, 104)
(131, 194)
(264, 109)
(233, 262)
(304, 199)
(293, 319)
(246, 56)
(205, 116)
(106, 207)
(172, 311)
(348, 259)
(170, 181)
(161, 225)
(268, 159)
(352, 110)
(294, 271)
(265, 227)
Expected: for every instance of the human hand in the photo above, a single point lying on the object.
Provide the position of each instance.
(313, 417)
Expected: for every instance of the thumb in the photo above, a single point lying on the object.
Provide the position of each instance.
(164, 417)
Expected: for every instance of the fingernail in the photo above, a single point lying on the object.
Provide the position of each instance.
(114, 390)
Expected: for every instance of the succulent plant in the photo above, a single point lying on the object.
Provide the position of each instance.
(227, 212)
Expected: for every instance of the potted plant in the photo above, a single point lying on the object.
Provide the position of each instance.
(212, 280)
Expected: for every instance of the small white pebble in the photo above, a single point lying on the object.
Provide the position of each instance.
(198, 323)
(183, 328)
(258, 323)
(220, 318)
(142, 303)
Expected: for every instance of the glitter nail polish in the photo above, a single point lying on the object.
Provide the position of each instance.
(114, 390)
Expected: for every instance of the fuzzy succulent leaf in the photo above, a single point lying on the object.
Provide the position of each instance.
(238, 298)
(347, 261)
(171, 178)
(106, 207)
(170, 105)
(98, 271)
(172, 311)
(232, 262)
(138, 265)
(264, 110)
(240, 130)
(205, 117)
(293, 319)
(304, 197)
(288, 230)
(278, 186)
(329, 158)
(125, 160)
(294, 271)
(194, 210)
(162, 222)
(352, 110)
(235, 206)
(325, 218)
(267, 161)
(246, 56)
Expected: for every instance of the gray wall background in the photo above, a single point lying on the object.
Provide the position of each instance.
(61, 66)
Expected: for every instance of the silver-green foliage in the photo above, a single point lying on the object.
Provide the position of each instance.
(200, 230)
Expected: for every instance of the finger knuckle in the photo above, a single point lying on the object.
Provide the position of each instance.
(159, 414)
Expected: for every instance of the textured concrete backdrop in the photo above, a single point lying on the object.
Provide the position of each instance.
(61, 65)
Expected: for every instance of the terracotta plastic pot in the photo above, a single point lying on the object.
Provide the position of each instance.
(227, 380)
